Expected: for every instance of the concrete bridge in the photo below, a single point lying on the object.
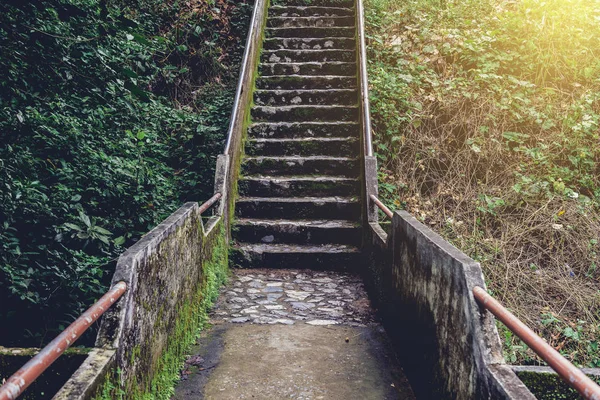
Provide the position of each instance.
(320, 302)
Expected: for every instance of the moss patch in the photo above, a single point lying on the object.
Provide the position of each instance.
(192, 319)
(547, 386)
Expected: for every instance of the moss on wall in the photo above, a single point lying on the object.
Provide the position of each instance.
(192, 318)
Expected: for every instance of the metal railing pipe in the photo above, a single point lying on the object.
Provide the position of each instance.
(20, 380)
(565, 369)
(364, 80)
(382, 206)
(240, 86)
(210, 202)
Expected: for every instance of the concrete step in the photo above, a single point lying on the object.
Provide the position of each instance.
(305, 113)
(302, 22)
(312, 32)
(286, 166)
(327, 257)
(303, 11)
(309, 43)
(314, 3)
(305, 97)
(347, 208)
(308, 68)
(301, 56)
(297, 231)
(298, 186)
(303, 129)
(298, 82)
(335, 147)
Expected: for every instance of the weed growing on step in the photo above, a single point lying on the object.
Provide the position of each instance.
(486, 117)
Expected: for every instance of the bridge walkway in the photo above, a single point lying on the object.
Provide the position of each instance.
(293, 334)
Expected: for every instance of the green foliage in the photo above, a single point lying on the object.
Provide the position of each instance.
(111, 115)
(487, 121)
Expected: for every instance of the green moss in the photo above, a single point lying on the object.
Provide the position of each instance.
(193, 317)
(546, 386)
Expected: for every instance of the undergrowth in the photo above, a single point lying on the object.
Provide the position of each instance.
(486, 116)
(112, 114)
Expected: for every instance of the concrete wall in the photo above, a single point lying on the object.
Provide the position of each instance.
(423, 288)
(164, 273)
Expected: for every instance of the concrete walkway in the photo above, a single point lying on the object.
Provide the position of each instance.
(283, 334)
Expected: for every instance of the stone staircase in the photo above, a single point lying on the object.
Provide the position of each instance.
(298, 204)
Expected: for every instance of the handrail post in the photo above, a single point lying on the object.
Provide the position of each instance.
(20, 380)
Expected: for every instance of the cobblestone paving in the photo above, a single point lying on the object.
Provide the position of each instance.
(293, 296)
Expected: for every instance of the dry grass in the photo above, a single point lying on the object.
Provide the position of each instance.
(491, 144)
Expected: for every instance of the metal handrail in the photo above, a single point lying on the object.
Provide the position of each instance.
(209, 202)
(382, 206)
(240, 88)
(20, 380)
(364, 80)
(565, 369)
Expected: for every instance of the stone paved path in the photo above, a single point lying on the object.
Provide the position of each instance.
(293, 334)
(289, 297)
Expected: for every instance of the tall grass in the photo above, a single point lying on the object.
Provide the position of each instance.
(486, 116)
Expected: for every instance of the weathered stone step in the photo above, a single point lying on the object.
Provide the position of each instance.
(308, 68)
(347, 208)
(336, 147)
(315, 3)
(301, 22)
(303, 129)
(286, 166)
(304, 113)
(305, 97)
(297, 82)
(312, 32)
(304, 11)
(301, 56)
(309, 43)
(298, 186)
(297, 231)
(328, 257)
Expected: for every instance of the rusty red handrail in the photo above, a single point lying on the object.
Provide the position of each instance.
(210, 202)
(382, 206)
(20, 380)
(567, 371)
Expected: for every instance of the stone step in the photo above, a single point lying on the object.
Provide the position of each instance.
(309, 43)
(304, 129)
(303, 11)
(305, 97)
(329, 257)
(312, 32)
(335, 147)
(301, 56)
(286, 166)
(347, 208)
(303, 22)
(297, 231)
(308, 68)
(304, 113)
(314, 3)
(298, 186)
(298, 82)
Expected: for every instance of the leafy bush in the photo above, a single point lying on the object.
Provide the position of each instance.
(111, 115)
(487, 117)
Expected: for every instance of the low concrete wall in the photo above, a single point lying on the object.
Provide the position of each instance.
(166, 273)
(423, 288)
